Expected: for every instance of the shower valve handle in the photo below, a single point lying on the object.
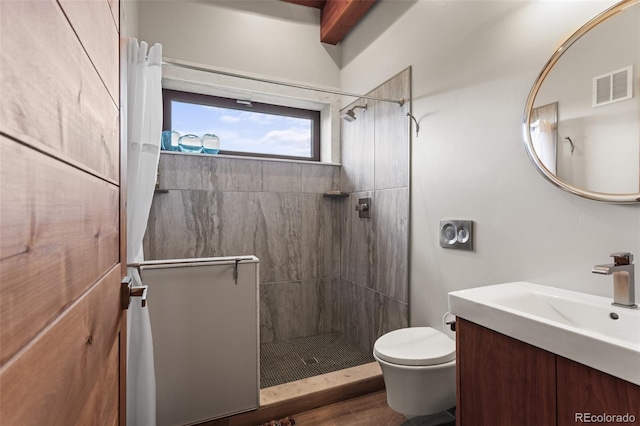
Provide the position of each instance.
(364, 207)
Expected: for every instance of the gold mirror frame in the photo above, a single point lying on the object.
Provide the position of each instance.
(598, 196)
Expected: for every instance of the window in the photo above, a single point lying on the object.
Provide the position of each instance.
(245, 128)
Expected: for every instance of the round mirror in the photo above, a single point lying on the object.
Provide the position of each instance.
(582, 117)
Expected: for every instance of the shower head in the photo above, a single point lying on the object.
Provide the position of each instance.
(350, 114)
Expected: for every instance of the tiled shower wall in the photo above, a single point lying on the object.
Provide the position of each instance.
(322, 268)
(221, 206)
(375, 163)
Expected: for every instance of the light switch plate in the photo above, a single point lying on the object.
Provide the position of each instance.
(456, 234)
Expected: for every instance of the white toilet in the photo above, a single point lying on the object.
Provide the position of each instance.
(419, 369)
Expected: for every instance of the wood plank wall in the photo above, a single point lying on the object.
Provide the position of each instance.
(60, 261)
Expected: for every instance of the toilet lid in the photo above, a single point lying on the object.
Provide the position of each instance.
(415, 346)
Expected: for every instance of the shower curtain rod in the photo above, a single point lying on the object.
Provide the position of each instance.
(181, 64)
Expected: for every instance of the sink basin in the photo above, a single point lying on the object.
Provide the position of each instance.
(578, 326)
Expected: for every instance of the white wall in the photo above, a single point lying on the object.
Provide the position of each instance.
(129, 11)
(605, 158)
(474, 63)
(271, 38)
(257, 38)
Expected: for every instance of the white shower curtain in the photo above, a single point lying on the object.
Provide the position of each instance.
(144, 129)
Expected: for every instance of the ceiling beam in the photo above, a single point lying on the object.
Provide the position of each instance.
(339, 16)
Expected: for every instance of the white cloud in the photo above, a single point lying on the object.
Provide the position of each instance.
(230, 119)
(260, 119)
(288, 142)
(286, 136)
(227, 134)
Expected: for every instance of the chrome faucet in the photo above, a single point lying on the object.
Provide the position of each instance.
(624, 282)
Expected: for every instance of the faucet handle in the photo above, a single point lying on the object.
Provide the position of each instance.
(622, 258)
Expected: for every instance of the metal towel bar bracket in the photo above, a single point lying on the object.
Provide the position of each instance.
(235, 271)
(127, 291)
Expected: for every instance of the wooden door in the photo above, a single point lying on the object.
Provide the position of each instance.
(61, 261)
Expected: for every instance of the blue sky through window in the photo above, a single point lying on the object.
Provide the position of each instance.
(244, 131)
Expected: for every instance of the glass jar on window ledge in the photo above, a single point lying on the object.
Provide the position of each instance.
(210, 143)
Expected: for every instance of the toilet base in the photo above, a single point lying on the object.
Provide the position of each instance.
(419, 390)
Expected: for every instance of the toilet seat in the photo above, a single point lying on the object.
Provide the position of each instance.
(415, 346)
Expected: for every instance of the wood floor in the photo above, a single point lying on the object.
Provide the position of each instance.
(366, 410)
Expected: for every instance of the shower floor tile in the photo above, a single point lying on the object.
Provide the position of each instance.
(303, 357)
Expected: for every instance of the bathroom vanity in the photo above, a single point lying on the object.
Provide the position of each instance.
(503, 381)
(535, 355)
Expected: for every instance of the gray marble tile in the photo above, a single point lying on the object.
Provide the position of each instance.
(337, 207)
(365, 315)
(299, 237)
(280, 251)
(230, 174)
(391, 129)
(328, 305)
(357, 151)
(391, 229)
(390, 314)
(295, 236)
(149, 240)
(357, 309)
(288, 310)
(358, 242)
(318, 239)
(209, 173)
(184, 225)
(240, 231)
(319, 178)
(280, 177)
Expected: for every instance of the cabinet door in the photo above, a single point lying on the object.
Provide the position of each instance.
(584, 392)
(502, 381)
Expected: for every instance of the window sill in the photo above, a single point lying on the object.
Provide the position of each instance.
(237, 157)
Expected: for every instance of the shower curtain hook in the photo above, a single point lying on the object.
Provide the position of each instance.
(416, 121)
(571, 142)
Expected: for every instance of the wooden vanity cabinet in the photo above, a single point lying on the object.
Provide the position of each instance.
(503, 381)
(582, 389)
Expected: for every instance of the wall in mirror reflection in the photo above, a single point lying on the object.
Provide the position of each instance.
(606, 157)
